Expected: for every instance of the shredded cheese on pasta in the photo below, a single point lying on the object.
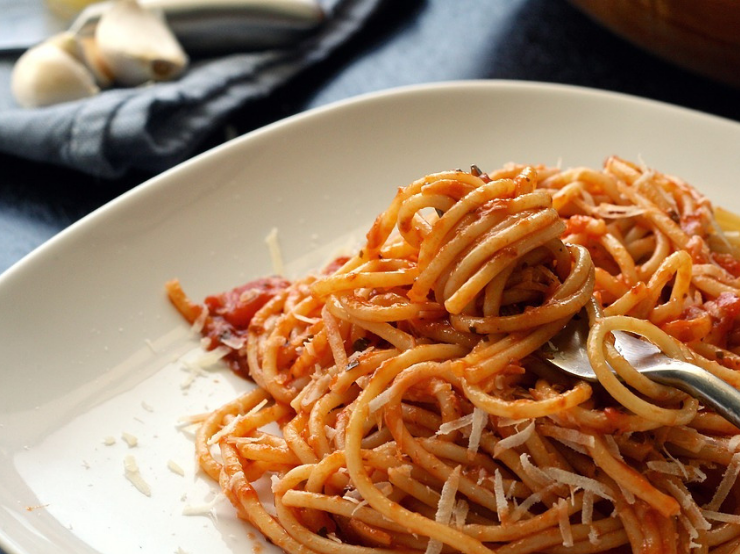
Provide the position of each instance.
(417, 411)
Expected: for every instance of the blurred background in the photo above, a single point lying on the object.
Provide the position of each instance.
(403, 43)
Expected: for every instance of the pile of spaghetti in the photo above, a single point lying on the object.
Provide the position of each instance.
(414, 412)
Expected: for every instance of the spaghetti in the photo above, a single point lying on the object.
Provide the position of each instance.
(415, 415)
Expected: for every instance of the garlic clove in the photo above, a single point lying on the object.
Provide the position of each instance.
(137, 45)
(94, 61)
(51, 73)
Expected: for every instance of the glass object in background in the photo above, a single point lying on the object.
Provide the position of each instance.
(24, 23)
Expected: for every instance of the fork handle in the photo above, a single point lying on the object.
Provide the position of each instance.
(716, 393)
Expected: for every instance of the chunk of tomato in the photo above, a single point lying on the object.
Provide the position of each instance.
(239, 305)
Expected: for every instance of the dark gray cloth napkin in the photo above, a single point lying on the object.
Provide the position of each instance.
(152, 128)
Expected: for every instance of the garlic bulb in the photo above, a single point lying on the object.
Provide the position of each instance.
(52, 72)
(94, 61)
(137, 45)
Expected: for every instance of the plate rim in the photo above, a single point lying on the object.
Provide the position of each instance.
(78, 230)
(160, 180)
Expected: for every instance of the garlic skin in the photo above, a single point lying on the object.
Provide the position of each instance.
(90, 55)
(51, 73)
(137, 46)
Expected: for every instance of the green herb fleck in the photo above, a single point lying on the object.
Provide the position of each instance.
(360, 344)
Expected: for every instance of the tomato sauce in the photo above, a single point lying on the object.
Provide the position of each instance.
(728, 262)
(231, 313)
(724, 311)
(577, 224)
(238, 306)
(335, 265)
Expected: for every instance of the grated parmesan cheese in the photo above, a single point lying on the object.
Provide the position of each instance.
(233, 342)
(330, 432)
(530, 501)
(580, 481)
(229, 427)
(204, 509)
(678, 469)
(587, 509)
(131, 472)
(533, 472)
(629, 496)
(690, 529)
(273, 244)
(384, 488)
(175, 468)
(728, 480)
(315, 389)
(212, 357)
(304, 319)
(355, 497)
(564, 523)
(480, 418)
(573, 439)
(296, 402)
(502, 504)
(512, 441)
(199, 322)
(379, 401)
(310, 348)
(613, 447)
(614, 211)
(445, 507)
(692, 511)
(274, 482)
(460, 513)
(130, 439)
(333, 537)
(455, 424)
(593, 536)
(109, 441)
(681, 466)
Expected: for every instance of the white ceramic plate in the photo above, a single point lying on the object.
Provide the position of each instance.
(91, 349)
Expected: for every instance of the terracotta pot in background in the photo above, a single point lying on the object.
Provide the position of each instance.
(700, 35)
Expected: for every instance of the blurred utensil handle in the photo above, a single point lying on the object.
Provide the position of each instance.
(234, 25)
(208, 26)
(201, 26)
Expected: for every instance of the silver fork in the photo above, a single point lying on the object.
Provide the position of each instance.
(567, 351)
